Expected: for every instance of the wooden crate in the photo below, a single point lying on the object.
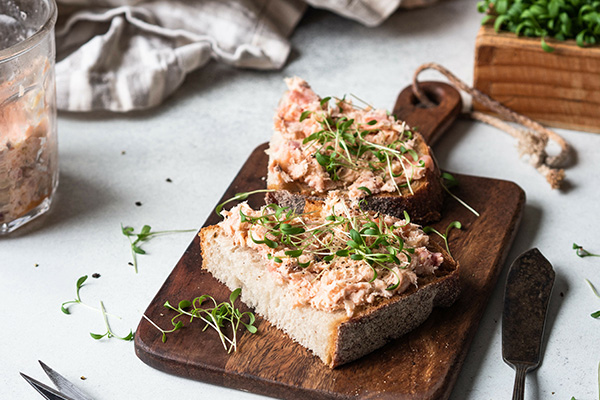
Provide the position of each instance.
(560, 89)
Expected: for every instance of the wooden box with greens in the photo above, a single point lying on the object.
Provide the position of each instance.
(540, 59)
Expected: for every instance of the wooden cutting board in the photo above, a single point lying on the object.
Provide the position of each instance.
(423, 364)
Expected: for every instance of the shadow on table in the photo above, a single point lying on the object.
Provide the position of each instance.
(483, 348)
(74, 198)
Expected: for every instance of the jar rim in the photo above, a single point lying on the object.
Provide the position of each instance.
(33, 40)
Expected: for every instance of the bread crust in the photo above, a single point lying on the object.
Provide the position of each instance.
(423, 204)
(394, 317)
(371, 326)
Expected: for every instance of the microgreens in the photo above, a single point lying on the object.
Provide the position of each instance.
(64, 307)
(581, 252)
(215, 317)
(449, 181)
(597, 313)
(109, 333)
(341, 145)
(77, 300)
(240, 196)
(305, 240)
(178, 325)
(558, 19)
(144, 235)
(444, 236)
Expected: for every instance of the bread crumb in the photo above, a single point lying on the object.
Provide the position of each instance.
(83, 378)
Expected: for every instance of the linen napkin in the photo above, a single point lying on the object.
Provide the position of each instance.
(124, 55)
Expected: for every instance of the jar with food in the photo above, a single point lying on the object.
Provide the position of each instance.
(28, 142)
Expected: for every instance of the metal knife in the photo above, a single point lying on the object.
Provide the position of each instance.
(526, 297)
(66, 390)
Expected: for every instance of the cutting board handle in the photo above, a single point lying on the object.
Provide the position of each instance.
(431, 122)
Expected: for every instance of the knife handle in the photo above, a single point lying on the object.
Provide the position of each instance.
(519, 388)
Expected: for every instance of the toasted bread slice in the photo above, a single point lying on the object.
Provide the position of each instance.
(408, 180)
(335, 336)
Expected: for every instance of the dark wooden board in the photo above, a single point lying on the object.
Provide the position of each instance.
(424, 364)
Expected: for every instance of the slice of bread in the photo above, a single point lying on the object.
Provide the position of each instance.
(334, 336)
(295, 173)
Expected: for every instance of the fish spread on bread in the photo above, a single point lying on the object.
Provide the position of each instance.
(332, 276)
(335, 256)
(373, 149)
(328, 144)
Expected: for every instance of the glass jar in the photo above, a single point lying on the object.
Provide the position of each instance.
(28, 142)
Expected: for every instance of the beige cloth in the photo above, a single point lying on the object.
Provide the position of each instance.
(123, 55)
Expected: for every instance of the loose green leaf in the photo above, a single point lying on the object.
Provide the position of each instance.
(144, 235)
(238, 197)
(449, 181)
(80, 281)
(216, 316)
(96, 336)
(184, 304)
(444, 236)
(109, 333)
(581, 252)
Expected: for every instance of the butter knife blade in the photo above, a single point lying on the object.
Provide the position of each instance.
(526, 298)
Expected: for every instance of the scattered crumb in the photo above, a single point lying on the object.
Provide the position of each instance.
(262, 178)
(138, 203)
(83, 378)
(96, 275)
(169, 180)
(36, 265)
(123, 153)
(130, 263)
(552, 392)
(561, 295)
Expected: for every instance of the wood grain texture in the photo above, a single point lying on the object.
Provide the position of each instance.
(560, 89)
(431, 122)
(424, 364)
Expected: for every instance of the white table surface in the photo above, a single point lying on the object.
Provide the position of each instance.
(199, 138)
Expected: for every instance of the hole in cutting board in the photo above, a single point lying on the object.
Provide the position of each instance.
(435, 96)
